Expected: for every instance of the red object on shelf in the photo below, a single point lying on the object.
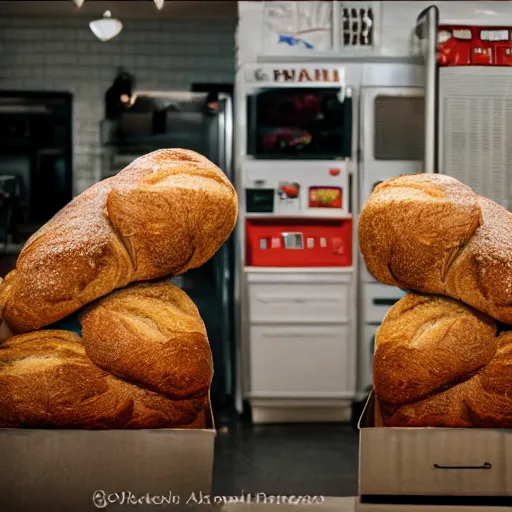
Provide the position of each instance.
(481, 56)
(316, 242)
(503, 55)
(474, 46)
(325, 197)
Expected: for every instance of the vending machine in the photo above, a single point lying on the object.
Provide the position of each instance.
(298, 194)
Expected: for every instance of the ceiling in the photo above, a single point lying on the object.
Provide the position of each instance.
(124, 9)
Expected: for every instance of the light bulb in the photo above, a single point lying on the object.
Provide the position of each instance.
(106, 28)
(159, 4)
(79, 3)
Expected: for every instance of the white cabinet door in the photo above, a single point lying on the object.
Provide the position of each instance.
(300, 361)
(299, 303)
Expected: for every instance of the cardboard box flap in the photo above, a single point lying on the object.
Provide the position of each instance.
(367, 416)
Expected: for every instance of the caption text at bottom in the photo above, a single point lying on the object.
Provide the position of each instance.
(103, 499)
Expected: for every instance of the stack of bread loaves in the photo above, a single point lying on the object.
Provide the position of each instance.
(443, 356)
(143, 360)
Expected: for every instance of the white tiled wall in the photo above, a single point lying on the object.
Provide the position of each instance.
(63, 55)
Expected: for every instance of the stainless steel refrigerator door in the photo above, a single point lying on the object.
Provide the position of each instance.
(426, 31)
(224, 271)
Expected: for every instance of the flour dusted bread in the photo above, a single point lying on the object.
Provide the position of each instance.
(167, 212)
(484, 400)
(150, 334)
(481, 275)
(426, 343)
(47, 381)
(430, 233)
(412, 228)
(439, 363)
(143, 361)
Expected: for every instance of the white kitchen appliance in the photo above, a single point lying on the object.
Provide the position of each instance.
(306, 334)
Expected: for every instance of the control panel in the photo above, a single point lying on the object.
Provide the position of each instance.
(279, 242)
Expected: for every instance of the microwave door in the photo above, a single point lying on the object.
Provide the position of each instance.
(301, 122)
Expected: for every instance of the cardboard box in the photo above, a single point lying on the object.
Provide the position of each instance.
(416, 462)
(87, 470)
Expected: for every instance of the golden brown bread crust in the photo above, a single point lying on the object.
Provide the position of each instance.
(426, 343)
(167, 212)
(490, 402)
(47, 381)
(430, 233)
(434, 366)
(412, 228)
(481, 275)
(150, 334)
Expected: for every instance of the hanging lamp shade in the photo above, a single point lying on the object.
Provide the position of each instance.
(106, 28)
(79, 3)
(159, 4)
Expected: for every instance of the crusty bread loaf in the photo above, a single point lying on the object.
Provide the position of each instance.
(167, 212)
(439, 363)
(426, 343)
(482, 401)
(150, 334)
(47, 381)
(430, 233)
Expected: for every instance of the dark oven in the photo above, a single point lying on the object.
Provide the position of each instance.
(311, 123)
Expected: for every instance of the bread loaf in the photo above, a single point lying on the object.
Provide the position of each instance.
(482, 401)
(143, 361)
(438, 363)
(426, 343)
(167, 212)
(150, 334)
(430, 233)
(47, 381)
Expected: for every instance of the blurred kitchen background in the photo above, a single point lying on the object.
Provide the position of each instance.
(306, 106)
(61, 114)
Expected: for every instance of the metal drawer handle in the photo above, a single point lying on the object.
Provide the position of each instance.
(485, 465)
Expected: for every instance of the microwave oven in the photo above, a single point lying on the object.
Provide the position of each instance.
(302, 122)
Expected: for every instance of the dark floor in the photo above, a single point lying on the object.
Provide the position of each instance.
(311, 459)
(274, 459)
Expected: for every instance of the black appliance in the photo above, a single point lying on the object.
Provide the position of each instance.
(36, 151)
(302, 122)
(157, 120)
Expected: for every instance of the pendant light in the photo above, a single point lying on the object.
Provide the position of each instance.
(159, 4)
(79, 3)
(106, 28)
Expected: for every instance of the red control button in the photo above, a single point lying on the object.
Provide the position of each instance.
(334, 172)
